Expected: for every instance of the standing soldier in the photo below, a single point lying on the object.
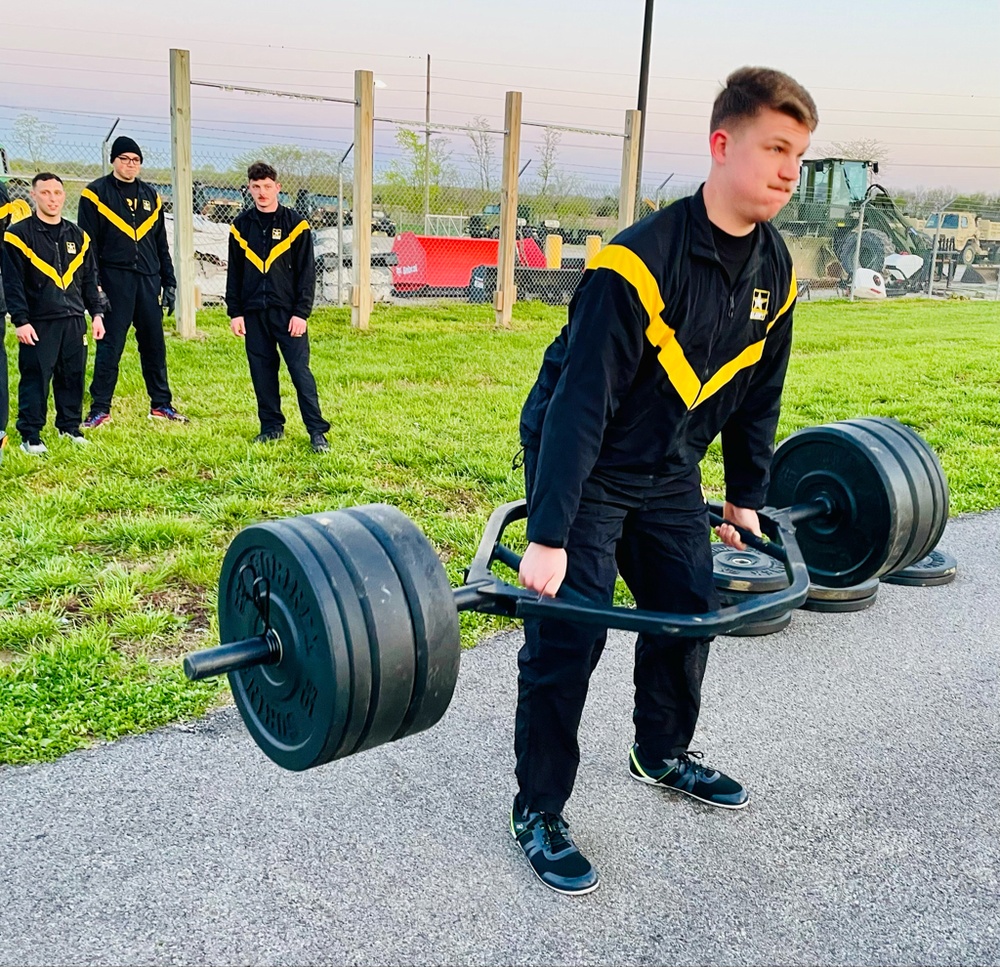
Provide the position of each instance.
(51, 278)
(270, 286)
(124, 217)
(4, 389)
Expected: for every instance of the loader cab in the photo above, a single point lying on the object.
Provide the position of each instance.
(829, 188)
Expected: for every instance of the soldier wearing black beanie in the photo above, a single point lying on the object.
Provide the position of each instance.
(124, 145)
(124, 217)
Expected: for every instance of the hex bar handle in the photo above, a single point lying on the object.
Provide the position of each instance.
(486, 593)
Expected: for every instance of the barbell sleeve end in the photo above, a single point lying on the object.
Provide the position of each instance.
(821, 506)
(265, 649)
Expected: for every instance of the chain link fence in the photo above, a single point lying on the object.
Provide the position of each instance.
(78, 164)
(433, 189)
(309, 148)
(436, 194)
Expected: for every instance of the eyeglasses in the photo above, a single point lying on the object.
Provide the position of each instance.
(129, 161)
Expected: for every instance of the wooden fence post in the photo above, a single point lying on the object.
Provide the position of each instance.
(183, 188)
(506, 292)
(361, 232)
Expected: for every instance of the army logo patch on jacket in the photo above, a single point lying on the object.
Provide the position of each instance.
(758, 311)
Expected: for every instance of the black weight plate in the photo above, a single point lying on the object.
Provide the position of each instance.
(868, 488)
(295, 710)
(928, 485)
(756, 629)
(760, 628)
(387, 617)
(432, 611)
(355, 633)
(896, 444)
(935, 474)
(837, 607)
(864, 590)
(749, 570)
(936, 569)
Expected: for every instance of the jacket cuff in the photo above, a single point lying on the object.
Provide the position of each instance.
(539, 536)
(749, 499)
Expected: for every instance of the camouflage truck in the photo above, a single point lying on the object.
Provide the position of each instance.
(977, 238)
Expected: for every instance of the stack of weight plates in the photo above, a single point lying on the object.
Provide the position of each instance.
(830, 600)
(936, 569)
(742, 573)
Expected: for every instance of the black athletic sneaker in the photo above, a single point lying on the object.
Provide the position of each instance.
(684, 774)
(551, 853)
(319, 443)
(267, 436)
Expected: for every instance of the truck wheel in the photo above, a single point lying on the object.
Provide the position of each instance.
(969, 253)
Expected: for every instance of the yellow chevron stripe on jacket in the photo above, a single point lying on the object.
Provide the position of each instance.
(682, 377)
(283, 246)
(63, 281)
(633, 270)
(6, 210)
(751, 355)
(136, 234)
(77, 262)
(252, 257)
(793, 291)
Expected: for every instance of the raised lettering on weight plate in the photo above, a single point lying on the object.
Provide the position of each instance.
(307, 697)
(279, 724)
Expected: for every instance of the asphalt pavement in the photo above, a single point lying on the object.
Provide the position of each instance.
(870, 743)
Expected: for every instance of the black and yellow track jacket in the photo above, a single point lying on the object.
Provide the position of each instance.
(125, 239)
(5, 212)
(659, 356)
(49, 276)
(272, 269)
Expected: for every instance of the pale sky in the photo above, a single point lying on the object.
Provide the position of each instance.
(921, 79)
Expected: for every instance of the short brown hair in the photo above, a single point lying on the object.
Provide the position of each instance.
(260, 170)
(750, 90)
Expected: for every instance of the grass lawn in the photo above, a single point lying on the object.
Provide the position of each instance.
(109, 555)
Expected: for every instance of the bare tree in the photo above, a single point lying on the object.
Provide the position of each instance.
(292, 162)
(34, 135)
(484, 146)
(921, 201)
(860, 149)
(547, 158)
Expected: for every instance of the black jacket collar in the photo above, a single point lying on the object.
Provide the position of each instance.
(702, 242)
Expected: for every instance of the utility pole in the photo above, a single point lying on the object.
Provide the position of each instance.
(427, 151)
(647, 38)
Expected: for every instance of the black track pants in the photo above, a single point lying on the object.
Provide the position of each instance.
(59, 359)
(134, 302)
(656, 533)
(266, 334)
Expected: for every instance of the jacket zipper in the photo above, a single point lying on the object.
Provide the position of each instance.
(711, 345)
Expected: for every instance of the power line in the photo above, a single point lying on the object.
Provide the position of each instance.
(478, 63)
